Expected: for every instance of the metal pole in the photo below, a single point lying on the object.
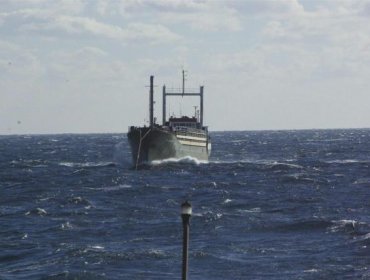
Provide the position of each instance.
(151, 101)
(201, 106)
(164, 106)
(185, 215)
(183, 82)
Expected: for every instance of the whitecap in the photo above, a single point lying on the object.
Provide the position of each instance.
(363, 237)
(187, 159)
(115, 188)
(68, 164)
(41, 211)
(361, 181)
(291, 165)
(197, 214)
(87, 164)
(312, 270)
(227, 200)
(40, 166)
(340, 224)
(37, 211)
(93, 248)
(79, 200)
(252, 210)
(97, 164)
(66, 225)
(171, 202)
(97, 247)
(344, 161)
(156, 252)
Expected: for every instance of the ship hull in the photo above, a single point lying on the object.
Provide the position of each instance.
(150, 144)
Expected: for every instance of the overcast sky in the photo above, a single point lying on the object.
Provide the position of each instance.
(82, 66)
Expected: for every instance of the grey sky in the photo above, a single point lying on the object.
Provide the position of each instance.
(82, 66)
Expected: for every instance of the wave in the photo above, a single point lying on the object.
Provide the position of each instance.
(100, 251)
(304, 225)
(226, 201)
(284, 165)
(79, 200)
(66, 226)
(346, 161)
(364, 237)
(362, 181)
(298, 178)
(114, 188)
(31, 163)
(36, 211)
(88, 164)
(270, 163)
(351, 226)
(264, 165)
(252, 210)
(94, 248)
(187, 159)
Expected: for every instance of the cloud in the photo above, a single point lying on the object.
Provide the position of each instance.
(18, 64)
(88, 65)
(257, 8)
(74, 59)
(177, 6)
(210, 18)
(198, 15)
(59, 6)
(39, 21)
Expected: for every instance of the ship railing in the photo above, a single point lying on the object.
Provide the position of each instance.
(189, 131)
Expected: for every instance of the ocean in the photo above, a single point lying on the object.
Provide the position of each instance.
(267, 205)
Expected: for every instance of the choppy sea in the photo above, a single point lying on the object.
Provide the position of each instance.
(267, 205)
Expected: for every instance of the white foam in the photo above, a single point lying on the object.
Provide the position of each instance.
(312, 270)
(187, 159)
(38, 211)
(97, 247)
(287, 164)
(115, 188)
(252, 210)
(86, 164)
(258, 162)
(345, 161)
(227, 201)
(339, 224)
(66, 225)
(363, 237)
(362, 181)
(41, 211)
(68, 164)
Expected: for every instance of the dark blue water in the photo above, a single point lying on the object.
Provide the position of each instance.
(268, 205)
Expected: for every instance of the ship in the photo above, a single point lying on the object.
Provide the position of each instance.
(176, 137)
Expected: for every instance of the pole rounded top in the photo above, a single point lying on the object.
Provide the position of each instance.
(186, 208)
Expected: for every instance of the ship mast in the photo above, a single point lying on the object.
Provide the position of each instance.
(151, 102)
(183, 82)
(165, 94)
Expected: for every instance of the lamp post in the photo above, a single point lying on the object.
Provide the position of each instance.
(185, 215)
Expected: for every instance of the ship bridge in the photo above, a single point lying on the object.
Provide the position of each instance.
(183, 122)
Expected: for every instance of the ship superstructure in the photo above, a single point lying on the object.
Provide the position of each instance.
(177, 137)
